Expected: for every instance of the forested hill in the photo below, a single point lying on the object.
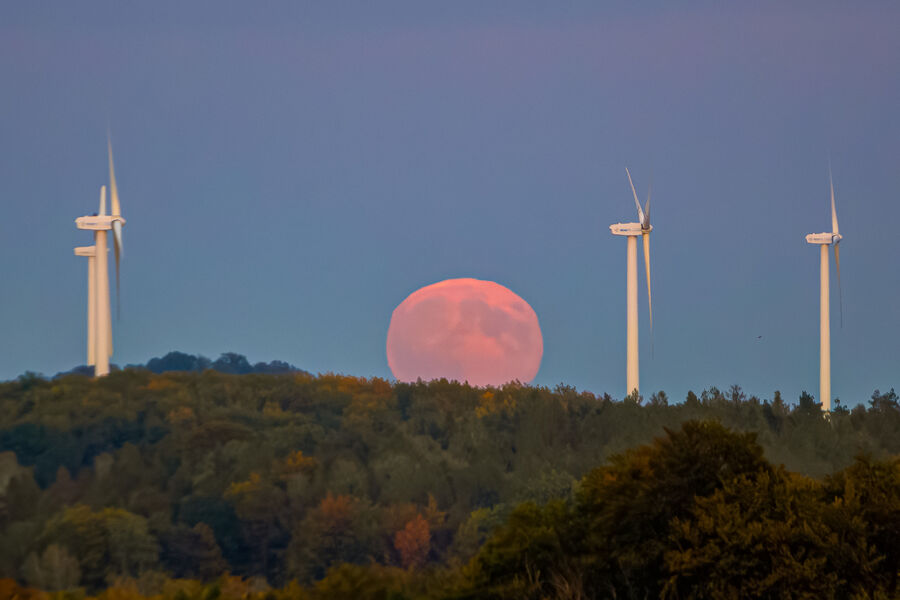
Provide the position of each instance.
(281, 476)
(228, 362)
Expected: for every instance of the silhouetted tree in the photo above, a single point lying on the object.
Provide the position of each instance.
(178, 361)
(232, 363)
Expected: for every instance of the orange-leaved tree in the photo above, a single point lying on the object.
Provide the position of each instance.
(413, 542)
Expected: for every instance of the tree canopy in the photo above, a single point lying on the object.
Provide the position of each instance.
(148, 482)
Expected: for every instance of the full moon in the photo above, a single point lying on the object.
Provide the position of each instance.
(467, 330)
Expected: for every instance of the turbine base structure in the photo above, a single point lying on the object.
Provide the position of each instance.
(103, 327)
(824, 332)
(632, 367)
(90, 252)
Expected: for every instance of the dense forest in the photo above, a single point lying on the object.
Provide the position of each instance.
(206, 484)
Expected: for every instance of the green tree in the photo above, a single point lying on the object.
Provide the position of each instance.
(54, 570)
(629, 505)
(188, 552)
(533, 555)
(764, 535)
(262, 507)
(108, 543)
(340, 529)
(808, 406)
(869, 491)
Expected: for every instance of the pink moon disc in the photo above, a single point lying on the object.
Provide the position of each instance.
(467, 330)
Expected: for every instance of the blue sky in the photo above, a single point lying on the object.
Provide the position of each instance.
(290, 172)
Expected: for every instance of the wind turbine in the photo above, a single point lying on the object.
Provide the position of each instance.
(824, 240)
(99, 328)
(632, 231)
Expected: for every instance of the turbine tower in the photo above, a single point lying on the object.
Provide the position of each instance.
(632, 231)
(99, 329)
(824, 240)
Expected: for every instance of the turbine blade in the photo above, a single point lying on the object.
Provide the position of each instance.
(117, 236)
(113, 190)
(636, 201)
(837, 263)
(647, 207)
(117, 247)
(102, 200)
(646, 237)
(834, 221)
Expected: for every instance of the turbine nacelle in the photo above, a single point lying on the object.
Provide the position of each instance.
(823, 238)
(629, 229)
(97, 222)
(89, 251)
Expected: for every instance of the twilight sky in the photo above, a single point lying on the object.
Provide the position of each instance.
(290, 172)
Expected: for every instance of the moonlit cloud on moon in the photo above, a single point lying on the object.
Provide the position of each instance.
(467, 330)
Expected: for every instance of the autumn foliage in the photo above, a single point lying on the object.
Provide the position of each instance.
(209, 485)
(413, 542)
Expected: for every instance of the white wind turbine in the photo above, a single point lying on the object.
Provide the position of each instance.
(631, 231)
(824, 240)
(99, 330)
